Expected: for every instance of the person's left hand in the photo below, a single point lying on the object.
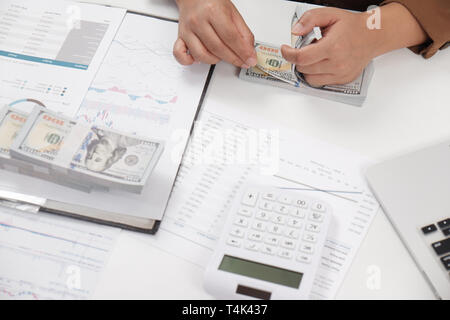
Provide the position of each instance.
(343, 52)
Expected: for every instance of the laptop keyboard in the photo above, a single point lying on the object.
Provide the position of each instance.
(440, 247)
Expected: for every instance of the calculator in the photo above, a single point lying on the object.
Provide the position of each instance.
(270, 247)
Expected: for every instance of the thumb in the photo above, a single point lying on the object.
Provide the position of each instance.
(320, 17)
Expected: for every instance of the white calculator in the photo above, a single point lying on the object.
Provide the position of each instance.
(270, 247)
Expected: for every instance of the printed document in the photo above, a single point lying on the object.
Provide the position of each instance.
(205, 189)
(50, 51)
(139, 89)
(52, 257)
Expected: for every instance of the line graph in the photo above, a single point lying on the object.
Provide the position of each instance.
(43, 248)
(134, 97)
(136, 87)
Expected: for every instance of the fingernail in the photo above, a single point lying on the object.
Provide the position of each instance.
(251, 61)
(245, 66)
(298, 28)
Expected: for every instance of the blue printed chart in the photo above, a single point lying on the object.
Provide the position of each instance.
(43, 36)
(51, 50)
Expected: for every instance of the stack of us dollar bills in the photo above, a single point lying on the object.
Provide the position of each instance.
(273, 69)
(49, 146)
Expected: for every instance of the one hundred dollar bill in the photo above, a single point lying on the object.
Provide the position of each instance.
(273, 69)
(11, 121)
(111, 155)
(94, 157)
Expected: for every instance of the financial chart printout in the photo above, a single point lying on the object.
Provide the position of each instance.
(49, 257)
(51, 50)
(139, 89)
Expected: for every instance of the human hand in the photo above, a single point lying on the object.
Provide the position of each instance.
(348, 44)
(342, 53)
(213, 30)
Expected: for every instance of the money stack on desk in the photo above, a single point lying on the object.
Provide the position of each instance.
(274, 70)
(50, 146)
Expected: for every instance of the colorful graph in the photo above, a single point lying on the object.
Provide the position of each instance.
(134, 97)
(109, 114)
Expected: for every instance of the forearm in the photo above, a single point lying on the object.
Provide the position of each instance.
(398, 29)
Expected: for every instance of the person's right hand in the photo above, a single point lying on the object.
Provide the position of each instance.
(213, 30)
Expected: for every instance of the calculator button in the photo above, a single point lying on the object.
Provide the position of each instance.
(307, 248)
(279, 219)
(272, 240)
(234, 242)
(252, 246)
(271, 196)
(268, 249)
(285, 254)
(312, 227)
(292, 233)
(295, 223)
(446, 232)
(301, 202)
(428, 229)
(262, 215)
(316, 216)
(288, 244)
(446, 262)
(444, 223)
(285, 199)
(318, 206)
(245, 212)
(240, 221)
(303, 258)
(282, 208)
(298, 213)
(237, 232)
(441, 247)
(266, 205)
(255, 236)
(275, 229)
(310, 237)
(250, 197)
(260, 226)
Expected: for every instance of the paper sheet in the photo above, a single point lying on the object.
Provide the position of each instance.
(139, 89)
(204, 190)
(54, 257)
(50, 51)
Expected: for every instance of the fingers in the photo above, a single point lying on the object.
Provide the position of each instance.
(216, 46)
(198, 51)
(242, 27)
(318, 80)
(308, 55)
(228, 32)
(320, 17)
(324, 66)
(181, 53)
(245, 31)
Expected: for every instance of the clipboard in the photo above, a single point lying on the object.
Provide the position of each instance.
(22, 201)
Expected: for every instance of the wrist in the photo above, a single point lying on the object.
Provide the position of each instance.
(396, 28)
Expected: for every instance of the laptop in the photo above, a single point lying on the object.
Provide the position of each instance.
(414, 191)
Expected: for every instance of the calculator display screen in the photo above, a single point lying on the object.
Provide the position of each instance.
(261, 271)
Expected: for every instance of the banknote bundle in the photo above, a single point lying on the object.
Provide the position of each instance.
(49, 146)
(274, 70)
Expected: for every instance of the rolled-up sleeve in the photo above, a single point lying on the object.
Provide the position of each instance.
(434, 17)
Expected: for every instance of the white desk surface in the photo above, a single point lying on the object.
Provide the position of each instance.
(408, 107)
